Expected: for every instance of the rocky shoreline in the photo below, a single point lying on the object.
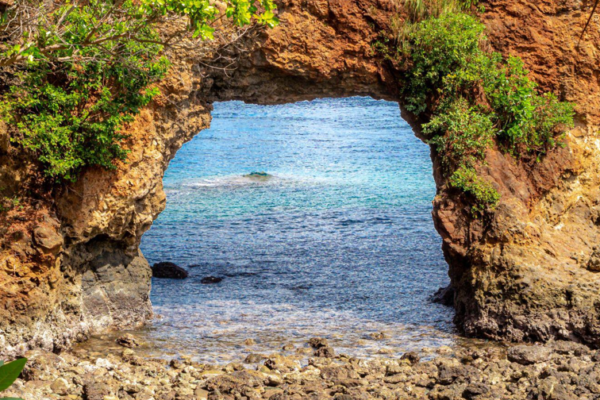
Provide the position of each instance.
(559, 370)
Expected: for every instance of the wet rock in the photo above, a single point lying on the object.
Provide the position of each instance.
(322, 348)
(526, 355)
(277, 362)
(254, 358)
(316, 343)
(128, 340)
(168, 270)
(412, 357)
(234, 367)
(326, 352)
(444, 296)
(377, 335)
(208, 280)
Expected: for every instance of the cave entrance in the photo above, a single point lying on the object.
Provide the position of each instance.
(336, 238)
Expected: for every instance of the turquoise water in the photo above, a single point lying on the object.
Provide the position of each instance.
(338, 241)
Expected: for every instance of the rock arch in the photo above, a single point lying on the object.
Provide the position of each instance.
(72, 265)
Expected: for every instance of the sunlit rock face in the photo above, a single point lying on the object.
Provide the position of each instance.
(70, 263)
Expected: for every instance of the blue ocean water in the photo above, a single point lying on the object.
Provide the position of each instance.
(337, 241)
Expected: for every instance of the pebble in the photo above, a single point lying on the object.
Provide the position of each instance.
(553, 371)
(60, 386)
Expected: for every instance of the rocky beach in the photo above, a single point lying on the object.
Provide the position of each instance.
(559, 370)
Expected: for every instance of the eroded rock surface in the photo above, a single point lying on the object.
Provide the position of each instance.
(70, 263)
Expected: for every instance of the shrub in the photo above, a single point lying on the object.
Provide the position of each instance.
(475, 98)
(439, 47)
(483, 193)
(87, 67)
(72, 117)
(461, 134)
(527, 122)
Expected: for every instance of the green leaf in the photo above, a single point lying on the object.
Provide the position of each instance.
(10, 372)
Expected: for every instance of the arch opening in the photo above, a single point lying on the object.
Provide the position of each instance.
(337, 239)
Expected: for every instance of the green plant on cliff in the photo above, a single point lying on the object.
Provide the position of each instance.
(475, 98)
(465, 178)
(9, 374)
(87, 67)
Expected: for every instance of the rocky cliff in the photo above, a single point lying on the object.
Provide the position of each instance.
(70, 263)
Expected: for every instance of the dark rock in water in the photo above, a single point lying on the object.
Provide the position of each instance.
(254, 358)
(210, 279)
(411, 356)
(317, 343)
(443, 296)
(168, 270)
(325, 352)
(128, 340)
(322, 348)
(377, 335)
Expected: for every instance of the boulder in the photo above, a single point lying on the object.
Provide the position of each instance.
(47, 237)
(412, 357)
(326, 352)
(594, 261)
(317, 343)
(128, 340)
(526, 355)
(168, 270)
(443, 296)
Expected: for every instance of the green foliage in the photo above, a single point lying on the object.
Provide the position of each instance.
(439, 47)
(71, 116)
(485, 196)
(90, 67)
(7, 204)
(527, 121)
(473, 97)
(461, 134)
(54, 29)
(9, 374)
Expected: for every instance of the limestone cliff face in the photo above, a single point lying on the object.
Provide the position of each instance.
(70, 263)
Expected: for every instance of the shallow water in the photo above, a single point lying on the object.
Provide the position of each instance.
(337, 242)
